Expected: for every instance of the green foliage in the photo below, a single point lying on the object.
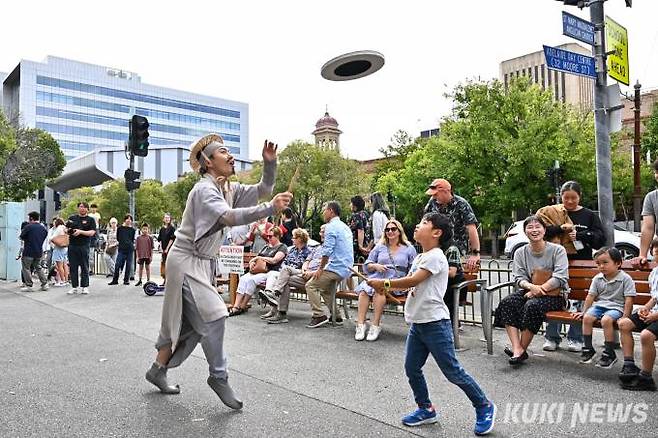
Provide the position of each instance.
(112, 201)
(176, 193)
(76, 196)
(28, 157)
(324, 175)
(496, 148)
(650, 135)
(151, 203)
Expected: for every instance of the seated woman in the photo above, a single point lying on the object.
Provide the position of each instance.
(540, 273)
(390, 258)
(292, 265)
(268, 259)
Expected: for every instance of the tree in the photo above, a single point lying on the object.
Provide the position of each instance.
(28, 158)
(112, 200)
(324, 175)
(650, 135)
(151, 203)
(74, 197)
(177, 191)
(496, 148)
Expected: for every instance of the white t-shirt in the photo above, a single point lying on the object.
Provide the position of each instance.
(425, 301)
(379, 220)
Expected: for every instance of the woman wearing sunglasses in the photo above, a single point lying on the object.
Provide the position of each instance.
(390, 258)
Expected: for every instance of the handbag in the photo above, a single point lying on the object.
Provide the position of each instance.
(541, 276)
(61, 241)
(111, 250)
(258, 267)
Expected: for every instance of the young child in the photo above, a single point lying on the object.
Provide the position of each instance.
(645, 319)
(431, 330)
(144, 247)
(610, 297)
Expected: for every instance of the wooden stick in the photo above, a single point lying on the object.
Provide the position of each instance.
(387, 292)
(293, 180)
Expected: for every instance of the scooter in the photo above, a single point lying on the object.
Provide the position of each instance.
(151, 288)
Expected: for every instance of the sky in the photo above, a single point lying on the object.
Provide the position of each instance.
(269, 54)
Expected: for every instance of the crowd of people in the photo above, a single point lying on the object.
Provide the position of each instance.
(65, 253)
(447, 245)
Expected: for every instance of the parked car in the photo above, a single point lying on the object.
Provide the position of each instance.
(628, 243)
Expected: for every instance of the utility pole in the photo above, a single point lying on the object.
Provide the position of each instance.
(637, 188)
(601, 124)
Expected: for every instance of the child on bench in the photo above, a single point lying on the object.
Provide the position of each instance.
(646, 320)
(610, 297)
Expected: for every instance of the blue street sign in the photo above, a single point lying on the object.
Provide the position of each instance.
(570, 62)
(577, 28)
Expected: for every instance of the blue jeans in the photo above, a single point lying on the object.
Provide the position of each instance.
(575, 332)
(123, 258)
(436, 338)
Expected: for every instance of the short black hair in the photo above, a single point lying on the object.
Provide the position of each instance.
(145, 225)
(441, 222)
(571, 185)
(84, 204)
(333, 206)
(33, 215)
(93, 206)
(128, 216)
(358, 202)
(533, 218)
(614, 253)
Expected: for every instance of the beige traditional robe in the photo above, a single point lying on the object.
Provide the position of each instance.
(208, 211)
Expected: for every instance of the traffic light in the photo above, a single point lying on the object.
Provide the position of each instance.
(132, 179)
(58, 201)
(579, 3)
(139, 136)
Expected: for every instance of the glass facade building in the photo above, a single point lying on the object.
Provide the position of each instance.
(87, 107)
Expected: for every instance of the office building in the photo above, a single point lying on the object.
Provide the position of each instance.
(568, 88)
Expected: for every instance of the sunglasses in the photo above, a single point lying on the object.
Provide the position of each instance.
(432, 187)
(390, 229)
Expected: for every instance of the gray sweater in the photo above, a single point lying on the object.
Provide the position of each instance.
(553, 259)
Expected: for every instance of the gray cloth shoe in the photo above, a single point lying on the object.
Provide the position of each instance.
(225, 392)
(157, 375)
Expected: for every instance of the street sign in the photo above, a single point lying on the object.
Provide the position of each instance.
(616, 41)
(570, 62)
(577, 28)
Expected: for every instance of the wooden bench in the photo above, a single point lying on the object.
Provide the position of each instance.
(581, 273)
(471, 283)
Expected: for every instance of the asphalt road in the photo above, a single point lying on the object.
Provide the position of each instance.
(73, 366)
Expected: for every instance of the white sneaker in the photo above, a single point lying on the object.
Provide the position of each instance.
(549, 345)
(27, 289)
(85, 291)
(360, 332)
(72, 291)
(574, 346)
(373, 333)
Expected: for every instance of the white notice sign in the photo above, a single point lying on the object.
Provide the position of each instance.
(230, 260)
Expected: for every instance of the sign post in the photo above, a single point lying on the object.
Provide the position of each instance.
(570, 62)
(616, 38)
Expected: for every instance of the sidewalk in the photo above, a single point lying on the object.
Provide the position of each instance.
(74, 366)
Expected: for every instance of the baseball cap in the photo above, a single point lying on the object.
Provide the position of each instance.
(438, 184)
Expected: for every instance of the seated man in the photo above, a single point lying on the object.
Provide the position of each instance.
(337, 260)
(279, 294)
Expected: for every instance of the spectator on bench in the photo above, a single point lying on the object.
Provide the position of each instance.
(646, 320)
(337, 259)
(268, 259)
(297, 255)
(390, 258)
(540, 273)
(610, 297)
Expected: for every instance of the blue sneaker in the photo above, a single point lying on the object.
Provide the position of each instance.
(485, 418)
(420, 416)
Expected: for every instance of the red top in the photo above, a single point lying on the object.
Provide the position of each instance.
(144, 247)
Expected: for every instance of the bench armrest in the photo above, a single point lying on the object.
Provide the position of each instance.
(463, 284)
(495, 287)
